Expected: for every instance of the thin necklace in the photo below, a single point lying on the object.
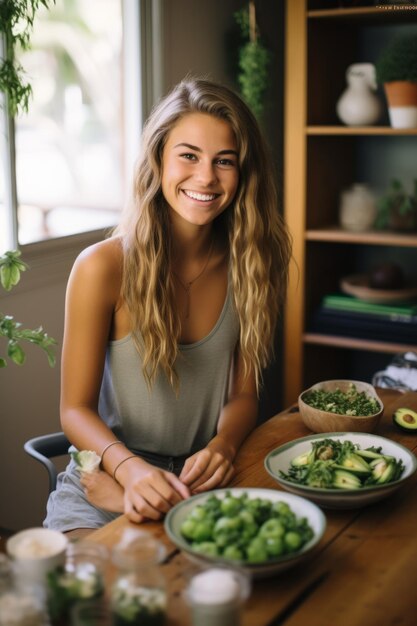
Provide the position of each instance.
(187, 285)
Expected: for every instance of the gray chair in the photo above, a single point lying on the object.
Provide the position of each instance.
(46, 447)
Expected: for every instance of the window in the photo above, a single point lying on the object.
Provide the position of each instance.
(71, 149)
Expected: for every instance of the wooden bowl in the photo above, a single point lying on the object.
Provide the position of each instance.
(325, 422)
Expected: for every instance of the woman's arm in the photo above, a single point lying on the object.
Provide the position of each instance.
(91, 304)
(213, 466)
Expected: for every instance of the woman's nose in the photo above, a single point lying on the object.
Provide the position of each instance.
(206, 173)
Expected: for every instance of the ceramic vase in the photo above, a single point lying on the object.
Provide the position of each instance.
(357, 208)
(359, 105)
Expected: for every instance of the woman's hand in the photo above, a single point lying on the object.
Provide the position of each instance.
(103, 491)
(209, 468)
(149, 491)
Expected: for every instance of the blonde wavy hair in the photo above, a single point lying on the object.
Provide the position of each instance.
(259, 244)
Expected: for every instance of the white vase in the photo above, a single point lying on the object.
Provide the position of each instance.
(359, 105)
(358, 209)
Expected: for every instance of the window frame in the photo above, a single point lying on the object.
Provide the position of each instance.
(142, 79)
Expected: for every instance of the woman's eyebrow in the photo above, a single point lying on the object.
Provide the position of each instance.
(197, 149)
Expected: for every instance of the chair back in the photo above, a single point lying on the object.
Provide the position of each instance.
(46, 447)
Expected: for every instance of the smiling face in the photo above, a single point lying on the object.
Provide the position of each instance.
(200, 171)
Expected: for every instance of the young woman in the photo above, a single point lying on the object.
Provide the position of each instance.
(170, 321)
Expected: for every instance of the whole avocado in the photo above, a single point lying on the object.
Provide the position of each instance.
(406, 419)
(386, 276)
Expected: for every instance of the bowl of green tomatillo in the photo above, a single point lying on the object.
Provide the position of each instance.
(263, 531)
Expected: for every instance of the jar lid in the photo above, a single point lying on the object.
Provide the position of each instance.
(138, 549)
(218, 586)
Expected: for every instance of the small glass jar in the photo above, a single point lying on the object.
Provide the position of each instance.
(138, 595)
(82, 579)
(20, 604)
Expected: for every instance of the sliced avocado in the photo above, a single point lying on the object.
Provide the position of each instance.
(302, 459)
(405, 418)
(369, 454)
(346, 480)
(355, 464)
(385, 470)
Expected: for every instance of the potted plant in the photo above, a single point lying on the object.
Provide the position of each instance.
(397, 209)
(396, 70)
(10, 268)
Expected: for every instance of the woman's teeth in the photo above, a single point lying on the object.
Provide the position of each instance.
(205, 197)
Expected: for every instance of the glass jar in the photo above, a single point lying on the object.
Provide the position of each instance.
(20, 604)
(138, 595)
(81, 580)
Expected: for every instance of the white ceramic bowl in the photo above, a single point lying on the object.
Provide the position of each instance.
(37, 551)
(279, 460)
(300, 506)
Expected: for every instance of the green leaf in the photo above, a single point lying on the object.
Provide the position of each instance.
(16, 353)
(10, 267)
(3, 362)
(6, 277)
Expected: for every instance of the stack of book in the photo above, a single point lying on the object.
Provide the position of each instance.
(348, 316)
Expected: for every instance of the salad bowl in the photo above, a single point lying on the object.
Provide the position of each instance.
(319, 420)
(301, 507)
(278, 463)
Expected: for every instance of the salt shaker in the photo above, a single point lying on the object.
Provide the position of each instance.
(215, 596)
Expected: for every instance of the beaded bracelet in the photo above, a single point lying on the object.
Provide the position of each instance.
(132, 456)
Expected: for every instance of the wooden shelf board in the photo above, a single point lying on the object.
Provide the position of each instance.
(377, 238)
(364, 14)
(351, 343)
(360, 130)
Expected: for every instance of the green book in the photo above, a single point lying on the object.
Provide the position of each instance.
(341, 302)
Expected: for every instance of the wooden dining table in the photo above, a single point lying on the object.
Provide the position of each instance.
(363, 572)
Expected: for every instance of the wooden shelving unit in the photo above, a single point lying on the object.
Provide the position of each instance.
(323, 157)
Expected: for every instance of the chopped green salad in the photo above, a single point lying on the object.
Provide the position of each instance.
(251, 530)
(350, 402)
(334, 464)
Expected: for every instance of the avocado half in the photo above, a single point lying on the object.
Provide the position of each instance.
(406, 419)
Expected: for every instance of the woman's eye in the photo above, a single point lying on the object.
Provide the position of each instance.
(226, 162)
(189, 156)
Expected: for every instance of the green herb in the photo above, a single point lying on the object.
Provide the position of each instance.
(134, 605)
(333, 464)
(65, 588)
(243, 529)
(350, 402)
(10, 268)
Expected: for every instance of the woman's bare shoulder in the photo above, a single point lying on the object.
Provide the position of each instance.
(101, 264)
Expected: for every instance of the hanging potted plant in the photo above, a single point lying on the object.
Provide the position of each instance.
(254, 60)
(397, 72)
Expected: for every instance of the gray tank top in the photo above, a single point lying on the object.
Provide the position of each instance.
(156, 420)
